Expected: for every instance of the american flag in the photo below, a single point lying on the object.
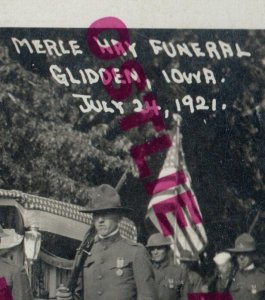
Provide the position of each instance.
(173, 208)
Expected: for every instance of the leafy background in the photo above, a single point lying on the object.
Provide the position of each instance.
(50, 148)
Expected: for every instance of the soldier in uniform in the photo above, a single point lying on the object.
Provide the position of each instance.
(115, 268)
(14, 276)
(249, 281)
(167, 275)
(190, 279)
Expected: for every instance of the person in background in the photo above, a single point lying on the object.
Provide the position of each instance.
(13, 278)
(191, 281)
(224, 274)
(167, 275)
(249, 281)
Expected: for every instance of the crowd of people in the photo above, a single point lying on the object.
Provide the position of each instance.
(115, 268)
(119, 269)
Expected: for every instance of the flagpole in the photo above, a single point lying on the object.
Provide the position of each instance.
(177, 118)
(122, 180)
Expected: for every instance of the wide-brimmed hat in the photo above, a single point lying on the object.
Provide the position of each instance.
(186, 256)
(105, 198)
(157, 240)
(2, 233)
(9, 238)
(244, 243)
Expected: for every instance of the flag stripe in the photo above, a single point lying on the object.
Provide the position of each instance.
(174, 208)
(165, 183)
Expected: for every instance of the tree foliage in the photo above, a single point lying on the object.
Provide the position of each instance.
(50, 148)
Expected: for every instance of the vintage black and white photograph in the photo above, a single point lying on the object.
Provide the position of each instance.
(132, 162)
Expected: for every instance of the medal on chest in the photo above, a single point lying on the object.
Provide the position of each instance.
(253, 289)
(119, 266)
(171, 283)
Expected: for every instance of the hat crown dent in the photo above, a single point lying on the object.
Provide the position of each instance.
(104, 197)
(245, 242)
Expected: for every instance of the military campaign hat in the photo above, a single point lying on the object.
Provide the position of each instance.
(105, 198)
(157, 240)
(9, 238)
(2, 233)
(244, 243)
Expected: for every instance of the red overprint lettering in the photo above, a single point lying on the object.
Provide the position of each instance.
(125, 90)
(101, 25)
(183, 206)
(139, 152)
(5, 293)
(174, 205)
(209, 296)
(149, 114)
(144, 116)
(165, 183)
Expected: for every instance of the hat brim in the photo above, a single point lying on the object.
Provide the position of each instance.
(110, 209)
(181, 258)
(158, 245)
(187, 259)
(11, 239)
(236, 250)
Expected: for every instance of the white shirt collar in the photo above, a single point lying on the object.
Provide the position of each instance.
(109, 235)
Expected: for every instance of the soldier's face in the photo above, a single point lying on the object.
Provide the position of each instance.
(106, 223)
(158, 254)
(244, 260)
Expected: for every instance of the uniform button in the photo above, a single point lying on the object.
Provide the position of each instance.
(99, 277)
(99, 293)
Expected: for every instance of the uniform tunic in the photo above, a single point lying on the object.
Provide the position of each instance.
(192, 283)
(16, 279)
(167, 279)
(249, 285)
(118, 269)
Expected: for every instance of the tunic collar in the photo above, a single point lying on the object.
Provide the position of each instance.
(109, 235)
(162, 264)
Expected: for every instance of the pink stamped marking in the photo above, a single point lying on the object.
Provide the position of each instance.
(210, 296)
(165, 183)
(144, 116)
(175, 205)
(153, 146)
(5, 293)
(124, 90)
(101, 25)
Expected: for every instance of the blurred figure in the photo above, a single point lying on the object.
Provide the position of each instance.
(191, 280)
(249, 281)
(167, 275)
(224, 274)
(13, 278)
